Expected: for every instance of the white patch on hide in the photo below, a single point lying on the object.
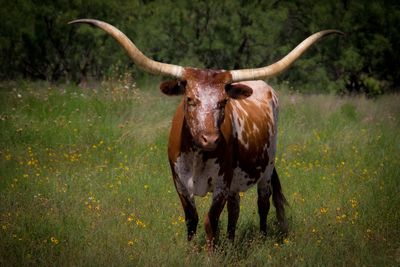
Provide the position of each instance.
(239, 121)
(197, 177)
(208, 101)
(241, 179)
(260, 100)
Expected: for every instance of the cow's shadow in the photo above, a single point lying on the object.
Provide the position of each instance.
(247, 236)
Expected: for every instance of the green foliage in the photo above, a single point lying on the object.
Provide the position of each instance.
(371, 84)
(85, 181)
(37, 43)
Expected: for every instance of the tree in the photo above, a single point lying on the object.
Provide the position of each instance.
(37, 43)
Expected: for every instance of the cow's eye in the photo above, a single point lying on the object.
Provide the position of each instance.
(190, 101)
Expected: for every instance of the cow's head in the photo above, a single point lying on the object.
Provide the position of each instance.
(205, 95)
(206, 92)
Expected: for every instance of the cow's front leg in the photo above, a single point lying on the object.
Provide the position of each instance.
(212, 217)
(191, 216)
(233, 213)
(189, 207)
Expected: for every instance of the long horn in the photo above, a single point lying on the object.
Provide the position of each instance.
(134, 53)
(281, 65)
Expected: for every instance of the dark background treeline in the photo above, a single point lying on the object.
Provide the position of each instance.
(37, 43)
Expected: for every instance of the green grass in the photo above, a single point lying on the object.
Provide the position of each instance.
(84, 181)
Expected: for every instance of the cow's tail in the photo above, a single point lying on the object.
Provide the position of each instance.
(279, 201)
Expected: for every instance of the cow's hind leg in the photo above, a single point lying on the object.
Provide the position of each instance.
(264, 193)
(279, 201)
(191, 216)
(233, 213)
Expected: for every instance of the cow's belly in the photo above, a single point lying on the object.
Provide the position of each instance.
(251, 167)
(242, 181)
(198, 177)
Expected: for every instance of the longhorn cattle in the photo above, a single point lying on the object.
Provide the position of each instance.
(223, 134)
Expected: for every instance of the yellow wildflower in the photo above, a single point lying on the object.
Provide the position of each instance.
(140, 223)
(181, 219)
(54, 240)
(354, 203)
(323, 210)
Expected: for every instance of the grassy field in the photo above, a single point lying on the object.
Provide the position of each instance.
(84, 181)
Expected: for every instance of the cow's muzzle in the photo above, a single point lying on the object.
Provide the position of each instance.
(207, 141)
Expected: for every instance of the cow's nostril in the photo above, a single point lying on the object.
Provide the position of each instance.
(204, 139)
(208, 141)
(216, 140)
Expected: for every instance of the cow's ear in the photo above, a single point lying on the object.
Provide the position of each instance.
(174, 87)
(238, 90)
